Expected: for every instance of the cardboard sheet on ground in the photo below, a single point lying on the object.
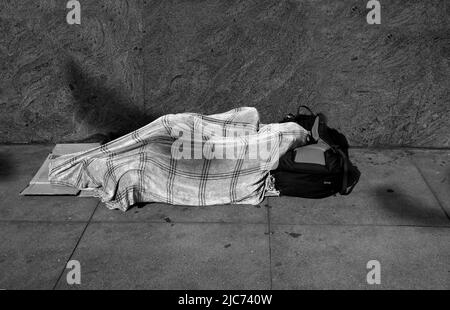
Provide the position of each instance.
(40, 185)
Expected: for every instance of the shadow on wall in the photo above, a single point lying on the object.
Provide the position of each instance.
(107, 110)
(402, 205)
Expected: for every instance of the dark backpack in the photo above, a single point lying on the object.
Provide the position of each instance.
(320, 169)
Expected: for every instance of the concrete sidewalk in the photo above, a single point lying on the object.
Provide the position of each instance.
(398, 214)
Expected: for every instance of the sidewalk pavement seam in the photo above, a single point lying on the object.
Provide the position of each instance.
(269, 233)
(226, 223)
(127, 222)
(75, 247)
(431, 190)
(363, 225)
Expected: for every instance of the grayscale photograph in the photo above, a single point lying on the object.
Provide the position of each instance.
(224, 151)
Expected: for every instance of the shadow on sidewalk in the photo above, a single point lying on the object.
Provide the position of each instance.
(401, 205)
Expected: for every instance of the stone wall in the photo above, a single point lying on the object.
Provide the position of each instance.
(132, 60)
(61, 82)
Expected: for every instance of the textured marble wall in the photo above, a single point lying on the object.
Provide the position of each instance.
(132, 60)
(380, 84)
(61, 82)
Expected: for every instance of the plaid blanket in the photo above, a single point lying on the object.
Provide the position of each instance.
(183, 159)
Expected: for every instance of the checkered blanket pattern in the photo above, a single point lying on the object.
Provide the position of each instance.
(141, 166)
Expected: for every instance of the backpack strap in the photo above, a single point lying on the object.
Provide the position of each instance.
(349, 190)
(305, 107)
(344, 158)
(315, 130)
(357, 175)
(345, 190)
